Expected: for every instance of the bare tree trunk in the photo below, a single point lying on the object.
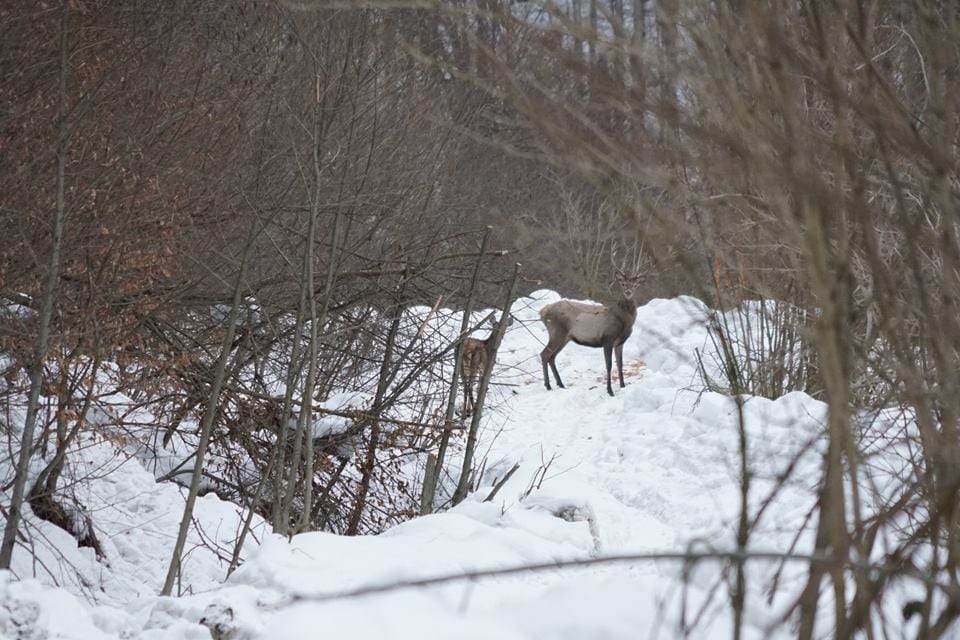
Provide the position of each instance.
(294, 369)
(50, 475)
(251, 511)
(833, 342)
(306, 416)
(739, 595)
(593, 34)
(576, 11)
(383, 381)
(46, 310)
(209, 415)
(304, 435)
(432, 476)
(317, 323)
(463, 485)
(304, 427)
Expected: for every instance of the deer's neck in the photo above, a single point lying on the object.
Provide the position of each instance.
(627, 307)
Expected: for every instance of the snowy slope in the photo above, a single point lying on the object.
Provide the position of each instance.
(653, 469)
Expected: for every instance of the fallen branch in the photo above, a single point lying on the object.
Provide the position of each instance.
(686, 557)
(503, 481)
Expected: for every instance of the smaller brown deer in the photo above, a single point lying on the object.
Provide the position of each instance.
(475, 354)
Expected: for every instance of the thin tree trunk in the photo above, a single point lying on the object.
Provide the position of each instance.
(463, 485)
(322, 500)
(576, 9)
(51, 473)
(432, 477)
(369, 464)
(738, 598)
(251, 510)
(593, 35)
(306, 413)
(304, 435)
(206, 426)
(832, 340)
(318, 322)
(282, 525)
(293, 374)
(46, 311)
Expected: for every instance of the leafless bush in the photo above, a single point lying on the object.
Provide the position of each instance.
(760, 348)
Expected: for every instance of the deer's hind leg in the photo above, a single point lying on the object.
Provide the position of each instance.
(556, 374)
(548, 357)
(468, 400)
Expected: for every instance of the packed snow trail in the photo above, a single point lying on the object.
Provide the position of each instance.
(653, 469)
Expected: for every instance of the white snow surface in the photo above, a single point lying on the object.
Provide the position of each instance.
(653, 469)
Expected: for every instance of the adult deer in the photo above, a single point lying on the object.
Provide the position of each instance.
(590, 325)
(474, 359)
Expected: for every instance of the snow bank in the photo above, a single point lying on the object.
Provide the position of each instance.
(654, 468)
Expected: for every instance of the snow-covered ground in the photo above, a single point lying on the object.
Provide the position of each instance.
(653, 469)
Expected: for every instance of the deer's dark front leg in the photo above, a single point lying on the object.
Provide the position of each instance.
(607, 357)
(619, 353)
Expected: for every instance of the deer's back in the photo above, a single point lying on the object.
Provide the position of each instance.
(566, 312)
(586, 324)
(474, 356)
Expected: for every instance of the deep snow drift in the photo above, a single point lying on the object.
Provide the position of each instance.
(654, 469)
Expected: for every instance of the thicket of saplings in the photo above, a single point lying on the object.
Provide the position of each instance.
(220, 216)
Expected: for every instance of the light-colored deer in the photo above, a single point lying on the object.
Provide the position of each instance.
(475, 354)
(591, 325)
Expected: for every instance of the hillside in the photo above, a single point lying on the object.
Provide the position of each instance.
(652, 470)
